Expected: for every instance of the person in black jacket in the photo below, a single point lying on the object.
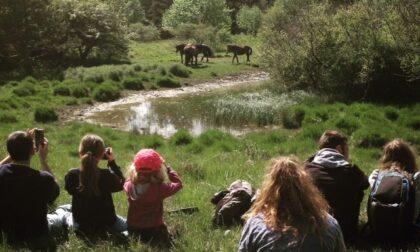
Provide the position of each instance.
(341, 182)
(25, 193)
(91, 188)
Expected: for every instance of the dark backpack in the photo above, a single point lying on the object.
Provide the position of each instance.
(231, 204)
(391, 206)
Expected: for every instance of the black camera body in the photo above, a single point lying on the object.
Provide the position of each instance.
(39, 137)
(107, 151)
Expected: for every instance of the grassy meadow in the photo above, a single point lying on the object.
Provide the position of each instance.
(207, 163)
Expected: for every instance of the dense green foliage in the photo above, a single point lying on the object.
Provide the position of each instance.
(213, 13)
(363, 50)
(249, 19)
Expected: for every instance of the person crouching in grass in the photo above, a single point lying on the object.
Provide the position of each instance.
(146, 191)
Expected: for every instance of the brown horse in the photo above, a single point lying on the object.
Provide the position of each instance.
(180, 48)
(191, 52)
(205, 50)
(238, 50)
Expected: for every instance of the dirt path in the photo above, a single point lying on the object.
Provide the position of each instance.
(81, 113)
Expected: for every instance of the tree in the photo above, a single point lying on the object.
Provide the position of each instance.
(213, 13)
(91, 29)
(249, 19)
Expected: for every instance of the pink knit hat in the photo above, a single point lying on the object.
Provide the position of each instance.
(147, 161)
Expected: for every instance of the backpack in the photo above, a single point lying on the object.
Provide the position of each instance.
(391, 206)
(232, 203)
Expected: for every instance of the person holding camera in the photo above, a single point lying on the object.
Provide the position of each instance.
(93, 212)
(25, 193)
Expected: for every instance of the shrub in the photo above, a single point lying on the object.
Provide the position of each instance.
(161, 70)
(30, 79)
(7, 117)
(166, 81)
(412, 121)
(249, 19)
(347, 124)
(108, 91)
(180, 71)
(80, 91)
(61, 89)
(115, 75)
(292, 118)
(181, 137)
(25, 89)
(97, 78)
(44, 114)
(13, 83)
(142, 33)
(133, 84)
(391, 113)
(137, 68)
(153, 141)
(372, 136)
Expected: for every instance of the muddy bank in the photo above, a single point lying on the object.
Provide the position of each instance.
(84, 113)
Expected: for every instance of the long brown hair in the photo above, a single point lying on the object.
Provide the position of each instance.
(398, 155)
(289, 195)
(91, 149)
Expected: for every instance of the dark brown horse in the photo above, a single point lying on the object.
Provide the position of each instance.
(205, 50)
(238, 50)
(191, 52)
(202, 48)
(180, 48)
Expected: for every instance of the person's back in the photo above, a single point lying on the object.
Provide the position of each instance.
(25, 194)
(341, 183)
(91, 189)
(266, 239)
(290, 214)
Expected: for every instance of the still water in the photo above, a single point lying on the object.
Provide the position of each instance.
(162, 115)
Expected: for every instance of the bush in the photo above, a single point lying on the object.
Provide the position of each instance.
(142, 33)
(25, 89)
(61, 90)
(181, 137)
(372, 137)
(97, 78)
(115, 75)
(153, 141)
(133, 84)
(108, 91)
(347, 124)
(7, 117)
(137, 68)
(79, 91)
(166, 81)
(311, 47)
(391, 113)
(44, 114)
(292, 118)
(249, 19)
(179, 70)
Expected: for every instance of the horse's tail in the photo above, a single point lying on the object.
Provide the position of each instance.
(249, 50)
(210, 52)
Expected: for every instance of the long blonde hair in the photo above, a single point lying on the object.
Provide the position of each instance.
(91, 149)
(398, 155)
(155, 178)
(288, 195)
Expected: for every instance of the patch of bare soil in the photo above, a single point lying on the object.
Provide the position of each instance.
(80, 113)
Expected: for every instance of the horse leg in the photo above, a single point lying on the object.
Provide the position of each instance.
(247, 58)
(182, 58)
(233, 58)
(237, 61)
(203, 58)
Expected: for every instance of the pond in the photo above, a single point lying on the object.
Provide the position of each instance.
(165, 112)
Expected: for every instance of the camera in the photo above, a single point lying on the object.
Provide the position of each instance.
(39, 137)
(107, 151)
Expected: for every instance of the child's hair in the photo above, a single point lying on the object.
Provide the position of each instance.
(156, 177)
(91, 149)
(398, 155)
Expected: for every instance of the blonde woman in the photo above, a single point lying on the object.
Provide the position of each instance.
(91, 188)
(290, 214)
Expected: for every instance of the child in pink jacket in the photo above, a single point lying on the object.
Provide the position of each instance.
(146, 191)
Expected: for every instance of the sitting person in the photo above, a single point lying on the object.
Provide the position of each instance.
(398, 161)
(146, 192)
(25, 193)
(91, 188)
(341, 183)
(290, 214)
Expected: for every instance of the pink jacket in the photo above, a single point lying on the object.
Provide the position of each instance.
(147, 210)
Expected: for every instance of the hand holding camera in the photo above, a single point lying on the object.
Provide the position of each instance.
(108, 154)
